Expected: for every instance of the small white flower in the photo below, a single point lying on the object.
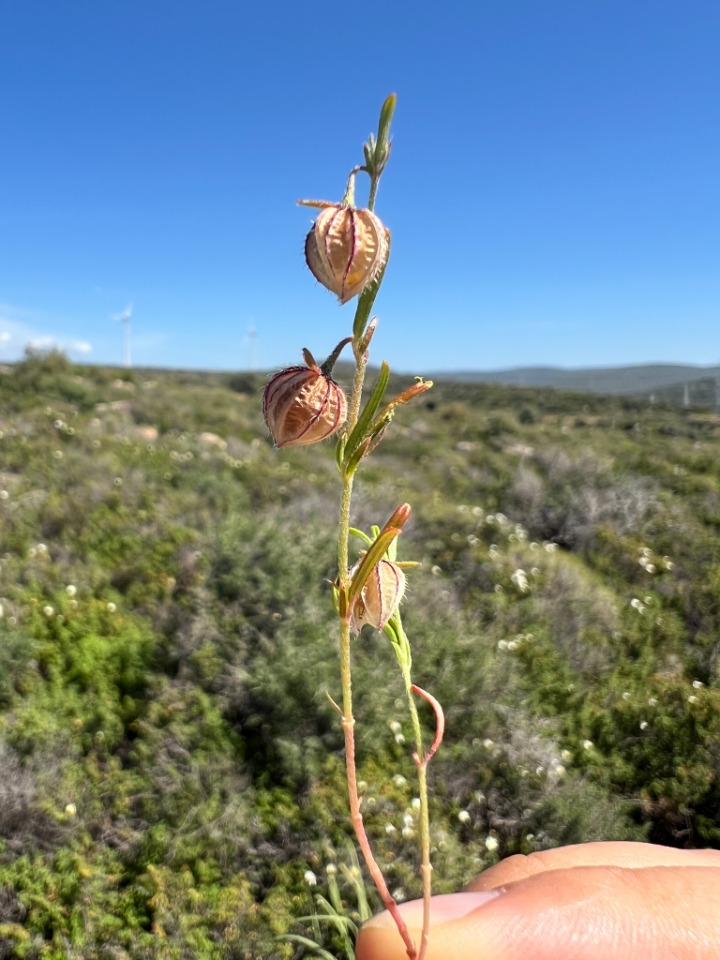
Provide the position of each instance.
(644, 725)
(111, 607)
(4, 494)
(70, 810)
(395, 726)
(588, 745)
(310, 878)
(71, 589)
(488, 743)
(698, 684)
(464, 816)
(48, 610)
(399, 738)
(626, 696)
(566, 756)
(399, 780)
(390, 829)
(491, 844)
(652, 702)
(560, 770)
(408, 833)
(415, 804)
(331, 869)
(693, 699)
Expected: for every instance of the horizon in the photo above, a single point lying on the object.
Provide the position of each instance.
(373, 365)
(552, 187)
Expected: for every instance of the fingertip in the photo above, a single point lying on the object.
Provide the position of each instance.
(379, 938)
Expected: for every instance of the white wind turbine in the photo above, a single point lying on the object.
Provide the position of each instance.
(124, 319)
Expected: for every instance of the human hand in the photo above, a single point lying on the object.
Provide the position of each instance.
(594, 901)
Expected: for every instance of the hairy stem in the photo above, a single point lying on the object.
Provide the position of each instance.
(348, 719)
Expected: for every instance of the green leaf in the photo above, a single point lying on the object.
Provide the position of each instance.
(372, 406)
(361, 535)
(310, 944)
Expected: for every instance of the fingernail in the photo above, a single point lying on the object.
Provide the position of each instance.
(445, 907)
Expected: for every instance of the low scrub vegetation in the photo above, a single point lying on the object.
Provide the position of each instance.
(171, 780)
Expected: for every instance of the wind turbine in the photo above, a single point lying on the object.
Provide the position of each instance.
(124, 319)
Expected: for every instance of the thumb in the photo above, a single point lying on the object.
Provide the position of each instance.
(580, 913)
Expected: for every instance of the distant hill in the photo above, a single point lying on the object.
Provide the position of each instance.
(636, 379)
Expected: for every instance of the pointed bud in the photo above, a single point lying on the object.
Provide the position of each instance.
(380, 597)
(303, 405)
(346, 250)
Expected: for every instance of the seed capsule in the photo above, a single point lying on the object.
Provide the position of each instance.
(380, 597)
(346, 249)
(303, 405)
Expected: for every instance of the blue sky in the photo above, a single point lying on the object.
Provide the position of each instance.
(553, 190)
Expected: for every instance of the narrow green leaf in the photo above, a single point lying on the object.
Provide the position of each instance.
(310, 944)
(361, 535)
(369, 410)
(353, 462)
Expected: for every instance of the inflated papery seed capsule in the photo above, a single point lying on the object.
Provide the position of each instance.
(346, 249)
(380, 597)
(303, 405)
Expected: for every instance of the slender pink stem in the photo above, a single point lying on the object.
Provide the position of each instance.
(439, 725)
(364, 843)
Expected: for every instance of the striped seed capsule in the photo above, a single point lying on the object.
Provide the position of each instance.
(346, 249)
(303, 405)
(380, 597)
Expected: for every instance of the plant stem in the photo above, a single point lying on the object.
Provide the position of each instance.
(348, 719)
(421, 763)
